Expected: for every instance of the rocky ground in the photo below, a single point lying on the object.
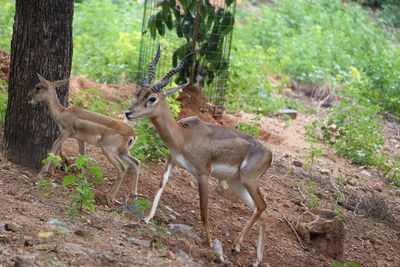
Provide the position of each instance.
(36, 229)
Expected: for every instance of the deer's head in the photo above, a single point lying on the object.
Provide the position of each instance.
(43, 90)
(149, 97)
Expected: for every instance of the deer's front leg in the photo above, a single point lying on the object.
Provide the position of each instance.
(54, 149)
(203, 193)
(170, 167)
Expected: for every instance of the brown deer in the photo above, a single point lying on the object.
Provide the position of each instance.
(115, 137)
(205, 149)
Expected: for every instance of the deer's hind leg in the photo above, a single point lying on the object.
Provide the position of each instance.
(116, 161)
(248, 188)
(135, 164)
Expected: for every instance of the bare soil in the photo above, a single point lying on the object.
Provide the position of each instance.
(41, 231)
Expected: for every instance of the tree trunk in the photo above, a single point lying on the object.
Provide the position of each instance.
(41, 43)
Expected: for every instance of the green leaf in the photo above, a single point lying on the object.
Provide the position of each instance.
(226, 23)
(159, 24)
(229, 2)
(69, 179)
(96, 170)
(152, 26)
(168, 20)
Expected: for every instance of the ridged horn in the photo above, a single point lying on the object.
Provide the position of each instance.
(165, 80)
(152, 67)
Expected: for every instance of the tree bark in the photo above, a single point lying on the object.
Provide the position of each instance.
(41, 43)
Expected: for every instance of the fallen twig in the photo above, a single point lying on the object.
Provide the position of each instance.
(295, 232)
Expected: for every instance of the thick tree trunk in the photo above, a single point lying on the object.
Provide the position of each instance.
(41, 43)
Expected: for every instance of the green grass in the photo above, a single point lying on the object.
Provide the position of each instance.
(106, 39)
(319, 41)
(7, 11)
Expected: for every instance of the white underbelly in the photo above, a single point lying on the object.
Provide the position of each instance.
(224, 171)
(220, 171)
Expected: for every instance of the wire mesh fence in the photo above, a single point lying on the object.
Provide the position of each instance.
(184, 26)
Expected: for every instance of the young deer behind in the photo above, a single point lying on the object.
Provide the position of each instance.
(205, 149)
(113, 136)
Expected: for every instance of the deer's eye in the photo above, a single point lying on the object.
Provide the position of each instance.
(37, 88)
(152, 99)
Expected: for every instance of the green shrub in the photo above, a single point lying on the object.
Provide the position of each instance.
(106, 39)
(83, 182)
(359, 137)
(149, 145)
(7, 10)
(319, 41)
(248, 86)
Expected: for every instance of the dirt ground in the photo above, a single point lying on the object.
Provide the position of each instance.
(35, 227)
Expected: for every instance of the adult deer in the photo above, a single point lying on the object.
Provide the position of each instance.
(113, 136)
(205, 149)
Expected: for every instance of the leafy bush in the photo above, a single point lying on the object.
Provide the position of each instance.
(358, 136)
(83, 182)
(315, 41)
(149, 145)
(106, 39)
(7, 10)
(249, 88)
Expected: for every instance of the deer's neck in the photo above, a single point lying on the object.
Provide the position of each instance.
(55, 107)
(168, 129)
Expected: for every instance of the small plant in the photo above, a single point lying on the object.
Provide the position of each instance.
(313, 151)
(83, 183)
(251, 129)
(55, 262)
(149, 145)
(45, 187)
(54, 159)
(309, 190)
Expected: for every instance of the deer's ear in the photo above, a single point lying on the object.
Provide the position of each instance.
(60, 83)
(174, 90)
(43, 81)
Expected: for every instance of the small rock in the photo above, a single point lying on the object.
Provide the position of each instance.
(84, 234)
(324, 171)
(10, 227)
(219, 252)
(378, 187)
(186, 258)
(292, 113)
(177, 229)
(352, 182)
(21, 261)
(140, 242)
(365, 173)
(297, 163)
(28, 243)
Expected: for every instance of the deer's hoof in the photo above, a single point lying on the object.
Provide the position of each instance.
(235, 251)
(146, 220)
